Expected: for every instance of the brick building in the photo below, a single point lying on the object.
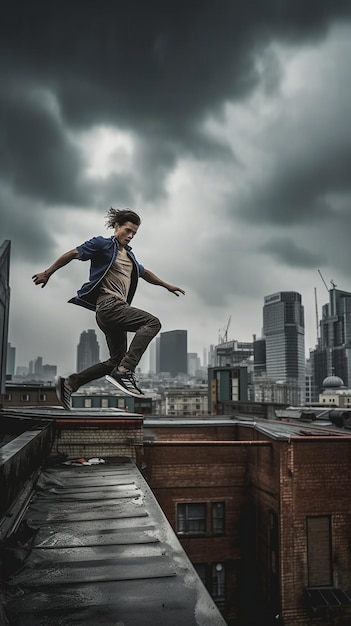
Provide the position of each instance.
(262, 510)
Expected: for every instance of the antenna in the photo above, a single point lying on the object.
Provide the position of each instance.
(325, 284)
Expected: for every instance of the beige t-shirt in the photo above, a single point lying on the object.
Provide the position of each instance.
(117, 280)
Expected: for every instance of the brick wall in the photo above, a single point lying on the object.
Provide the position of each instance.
(269, 491)
(180, 474)
(294, 480)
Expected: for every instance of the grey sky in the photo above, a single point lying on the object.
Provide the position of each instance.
(226, 125)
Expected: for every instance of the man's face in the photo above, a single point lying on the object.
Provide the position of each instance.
(125, 233)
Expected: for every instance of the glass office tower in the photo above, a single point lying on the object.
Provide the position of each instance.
(173, 355)
(332, 356)
(284, 332)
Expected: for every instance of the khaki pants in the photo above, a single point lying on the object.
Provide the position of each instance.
(115, 318)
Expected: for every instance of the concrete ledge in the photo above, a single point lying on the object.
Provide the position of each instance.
(19, 459)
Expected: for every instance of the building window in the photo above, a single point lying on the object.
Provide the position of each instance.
(191, 518)
(7, 397)
(217, 518)
(87, 403)
(218, 581)
(25, 397)
(201, 570)
(43, 397)
(319, 551)
(104, 403)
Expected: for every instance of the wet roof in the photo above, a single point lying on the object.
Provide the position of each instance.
(95, 548)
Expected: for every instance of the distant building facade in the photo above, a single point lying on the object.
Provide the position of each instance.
(23, 395)
(174, 352)
(11, 360)
(88, 350)
(279, 356)
(154, 350)
(233, 353)
(332, 355)
(184, 402)
(335, 393)
(193, 363)
(226, 384)
(37, 371)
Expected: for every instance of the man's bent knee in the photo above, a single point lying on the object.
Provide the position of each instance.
(156, 325)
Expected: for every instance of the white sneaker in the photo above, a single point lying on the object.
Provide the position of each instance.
(126, 382)
(63, 392)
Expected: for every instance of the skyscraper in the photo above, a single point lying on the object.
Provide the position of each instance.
(11, 360)
(284, 336)
(4, 308)
(154, 351)
(38, 367)
(193, 363)
(174, 352)
(88, 350)
(332, 355)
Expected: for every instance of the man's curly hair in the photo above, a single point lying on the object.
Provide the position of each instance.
(120, 217)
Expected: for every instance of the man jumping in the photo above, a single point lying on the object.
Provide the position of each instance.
(113, 279)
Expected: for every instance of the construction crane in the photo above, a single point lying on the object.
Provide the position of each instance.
(325, 284)
(227, 328)
(225, 336)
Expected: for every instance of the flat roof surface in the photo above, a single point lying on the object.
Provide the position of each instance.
(295, 428)
(95, 548)
(54, 412)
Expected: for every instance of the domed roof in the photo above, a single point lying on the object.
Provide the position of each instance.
(334, 382)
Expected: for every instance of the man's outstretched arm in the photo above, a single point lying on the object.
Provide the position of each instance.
(151, 278)
(41, 278)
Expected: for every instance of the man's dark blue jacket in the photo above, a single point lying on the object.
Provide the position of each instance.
(102, 253)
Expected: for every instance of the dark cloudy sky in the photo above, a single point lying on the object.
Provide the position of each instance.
(225, 124)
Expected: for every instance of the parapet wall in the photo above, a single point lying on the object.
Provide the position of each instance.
(20, 458)
(103, 438)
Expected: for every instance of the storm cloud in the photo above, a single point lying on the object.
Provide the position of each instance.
(224, 124)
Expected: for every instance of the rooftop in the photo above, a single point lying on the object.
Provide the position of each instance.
(94, 547)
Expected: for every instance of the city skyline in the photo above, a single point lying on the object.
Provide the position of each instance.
(146, 358)
(225, 127)
(85, 337)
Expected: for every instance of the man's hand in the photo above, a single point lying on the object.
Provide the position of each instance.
(174, 289)
(41, 278)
